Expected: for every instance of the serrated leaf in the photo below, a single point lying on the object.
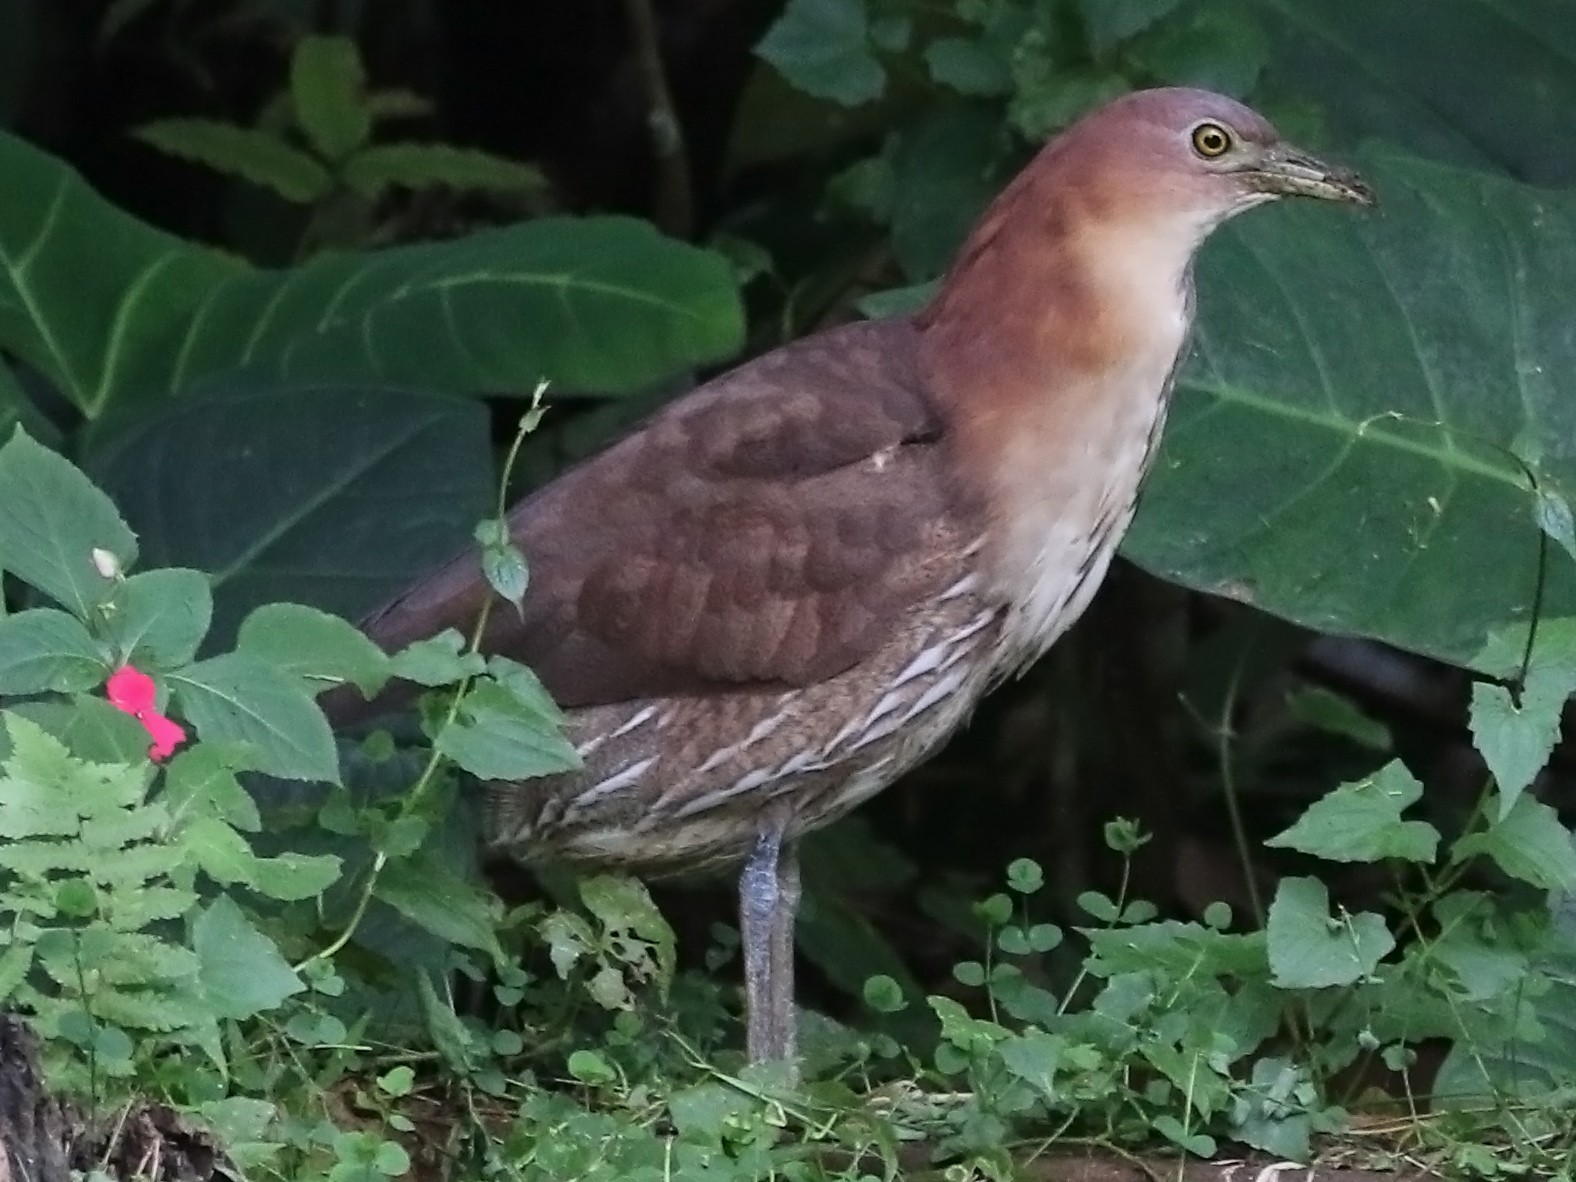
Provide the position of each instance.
(1514, 737)
(1310, 949)
(54, 519)
(497, 737)
(377, 169)
(506, 572)
(438, 660)
(256, 156)
(242, 971)
(239, 1119)
(15, 963)
(292, 876)
(442, 903)
(526, 688)
(1267, 1115)
(49, 793)
(201, 781)
(90, 728)
(1528, 843)
(823, 48)
(1361, 822)
(701, 1112)
(322, 649)
(326, 89)
(160, 616)
(44, 649)
(621, 903)
(1484, 966)
(218, 850)
(1516, 732)
(236, 698)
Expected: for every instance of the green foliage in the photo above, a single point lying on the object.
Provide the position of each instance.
(1362, 822)
(1311, 949)
(251, 155)
(118, 314)
(336, 166)
(1370, 439)
(509, 301)
(92, 872)
(1369, 461)
(1377, 443)
(56, 525)
(1166, 1030)
(826, 49)
(316, 512)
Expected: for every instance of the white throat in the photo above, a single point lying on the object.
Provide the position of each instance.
(1069, 482)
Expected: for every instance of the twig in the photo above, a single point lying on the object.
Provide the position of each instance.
(675, 212)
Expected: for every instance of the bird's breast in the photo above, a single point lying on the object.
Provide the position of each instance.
(1069, 486)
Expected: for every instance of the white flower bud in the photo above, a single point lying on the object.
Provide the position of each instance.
(107, 565)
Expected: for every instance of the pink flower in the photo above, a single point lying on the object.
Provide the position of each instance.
(130, 690)
(133, 691)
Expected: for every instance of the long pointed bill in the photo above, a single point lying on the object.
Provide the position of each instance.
(1285, 171)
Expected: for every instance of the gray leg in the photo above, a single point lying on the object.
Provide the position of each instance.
(768, 896)
(782, 987)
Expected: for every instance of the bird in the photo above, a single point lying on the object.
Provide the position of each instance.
(789, 585)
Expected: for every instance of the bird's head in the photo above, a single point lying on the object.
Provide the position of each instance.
(1081, 264)
(1190, 156)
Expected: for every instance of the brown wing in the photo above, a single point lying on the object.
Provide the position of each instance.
(770, 526)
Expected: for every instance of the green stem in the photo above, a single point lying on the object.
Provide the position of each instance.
(423, 784)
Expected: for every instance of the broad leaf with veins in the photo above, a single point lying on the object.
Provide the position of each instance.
(115, 312)
(1351, 441)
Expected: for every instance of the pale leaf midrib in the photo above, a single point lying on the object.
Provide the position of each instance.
(1370, 431)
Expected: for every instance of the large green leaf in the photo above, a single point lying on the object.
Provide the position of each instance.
(1343, 448)
(332, 496)
(602, 304)
(89, 296)
(112, 310)
(58, 532)
(1478, 82)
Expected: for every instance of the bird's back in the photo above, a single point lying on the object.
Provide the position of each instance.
(767, 590)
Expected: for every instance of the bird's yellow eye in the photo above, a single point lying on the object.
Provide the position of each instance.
(1211, 140)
